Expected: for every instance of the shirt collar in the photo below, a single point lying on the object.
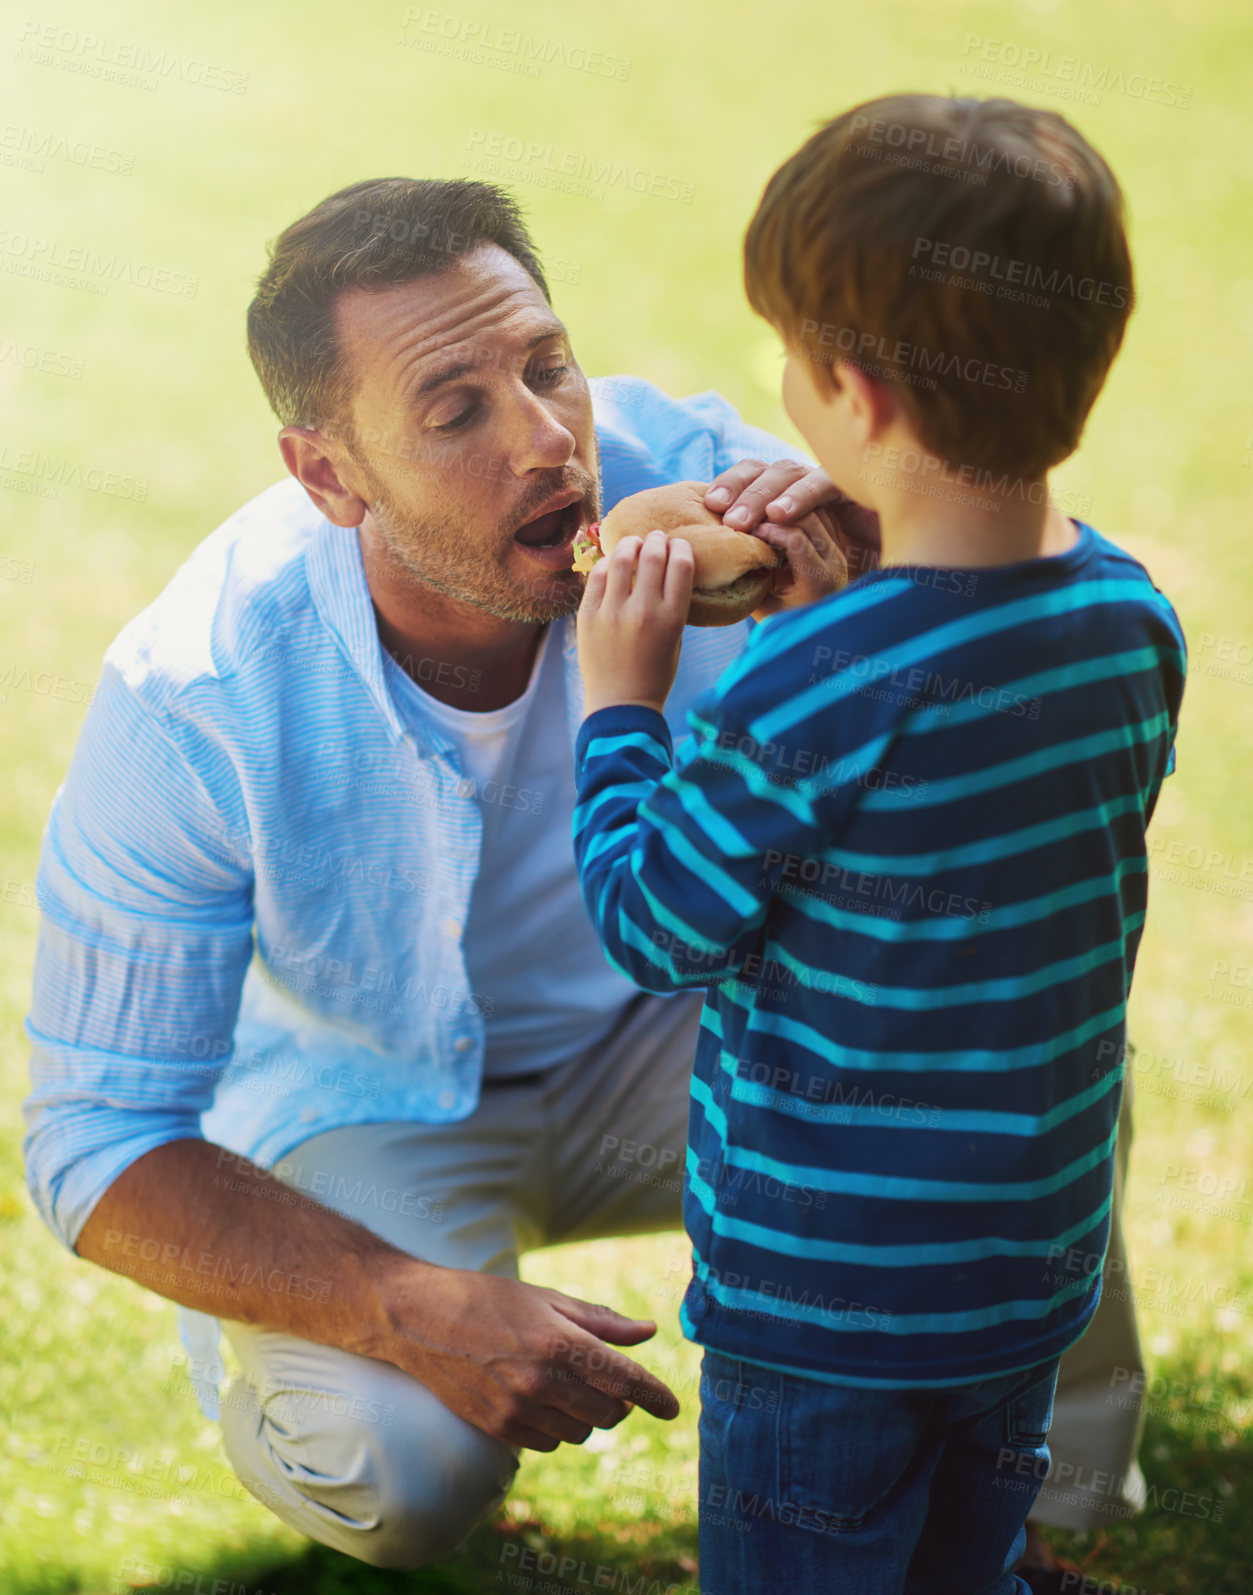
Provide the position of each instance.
(340, 592)
(342, 596)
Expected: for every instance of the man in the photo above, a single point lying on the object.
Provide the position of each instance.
(321, 1038)
(310, 876)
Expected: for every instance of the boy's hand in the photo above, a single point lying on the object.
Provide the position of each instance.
(630, 637)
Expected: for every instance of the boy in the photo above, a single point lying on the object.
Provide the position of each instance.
(904, 850)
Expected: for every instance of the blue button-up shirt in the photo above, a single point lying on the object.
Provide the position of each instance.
(255, 877)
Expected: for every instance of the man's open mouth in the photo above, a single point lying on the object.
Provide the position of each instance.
(554, 529)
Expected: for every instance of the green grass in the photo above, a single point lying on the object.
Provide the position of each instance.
(89, 1365)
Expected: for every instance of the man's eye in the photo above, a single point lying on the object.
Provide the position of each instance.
(457, 421)
(551, 373)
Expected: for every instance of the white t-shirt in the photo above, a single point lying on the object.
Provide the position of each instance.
(528, 941)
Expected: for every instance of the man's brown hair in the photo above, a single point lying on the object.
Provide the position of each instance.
(369, 235)
(971, 252)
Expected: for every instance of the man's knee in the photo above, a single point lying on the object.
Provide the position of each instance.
(397, 1489)
(432, 1491)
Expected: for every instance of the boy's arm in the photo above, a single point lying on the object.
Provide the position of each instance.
(679, 859)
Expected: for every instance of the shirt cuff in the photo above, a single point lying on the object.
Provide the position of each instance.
(615, 720)
(66, 1200)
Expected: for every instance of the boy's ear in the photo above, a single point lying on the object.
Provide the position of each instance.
(872, 407)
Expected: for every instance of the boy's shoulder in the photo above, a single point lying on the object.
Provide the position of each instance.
(1134, 598)
(1118, 558)
(952, 604)
(898, 631)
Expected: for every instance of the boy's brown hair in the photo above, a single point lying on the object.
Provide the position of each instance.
(971, 252)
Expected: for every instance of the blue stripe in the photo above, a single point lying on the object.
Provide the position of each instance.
(975, 1060)
(678, 926)
(719, 830)
(797, 797)
(911, 1379)
(608, 841)
(993, 776)
(900, 1188)
(805, 624)
(951, 1121)
(601, 747)
(1041, 684)
(908, 1254)
(952, 1323)
(620, 791)
(953, 634)
(954, 928)
(755, 778)
(1002, 845)
(677, 976)
(893, 1188)
(703, 868)
(1012, 988)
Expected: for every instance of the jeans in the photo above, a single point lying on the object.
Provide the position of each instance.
(809, 1488)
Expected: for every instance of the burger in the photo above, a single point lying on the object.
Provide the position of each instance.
(734, 571)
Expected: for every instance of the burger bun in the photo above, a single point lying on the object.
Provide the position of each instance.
(733, 570)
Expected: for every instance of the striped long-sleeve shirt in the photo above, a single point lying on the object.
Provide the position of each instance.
(904, 849)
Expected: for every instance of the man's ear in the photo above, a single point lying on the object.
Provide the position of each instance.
(872, 407)
(319, 466)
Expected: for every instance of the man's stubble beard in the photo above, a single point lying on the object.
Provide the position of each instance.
(433, 553)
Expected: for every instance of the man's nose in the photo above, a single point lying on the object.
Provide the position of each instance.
(538, 441)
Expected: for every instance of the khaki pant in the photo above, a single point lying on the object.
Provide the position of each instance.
(353, 1452)
(362, 1457)
(1098, 1414)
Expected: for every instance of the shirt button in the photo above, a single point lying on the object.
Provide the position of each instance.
(461, 1043)
(452, 928)
(447, 1099)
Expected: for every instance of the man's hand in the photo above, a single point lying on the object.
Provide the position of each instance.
(528, 1365)
(630, 637)
(815, 566)
(752, 494)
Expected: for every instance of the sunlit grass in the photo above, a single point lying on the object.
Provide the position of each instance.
(90, 1366)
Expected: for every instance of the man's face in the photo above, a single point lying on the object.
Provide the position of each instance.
(470, 419)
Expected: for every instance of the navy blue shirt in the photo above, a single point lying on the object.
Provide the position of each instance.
(904, 849)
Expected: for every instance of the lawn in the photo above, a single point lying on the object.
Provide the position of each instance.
(147, 155)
